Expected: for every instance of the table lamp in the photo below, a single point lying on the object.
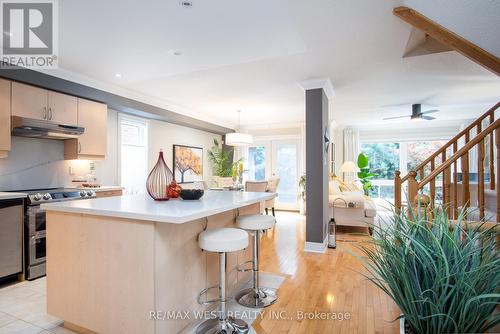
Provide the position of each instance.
(348, 167)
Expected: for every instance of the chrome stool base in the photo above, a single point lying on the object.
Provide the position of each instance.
(263, 297)
(227, 326)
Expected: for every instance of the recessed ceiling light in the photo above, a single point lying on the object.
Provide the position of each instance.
(186, 4)
(174, 53)
(118, 75)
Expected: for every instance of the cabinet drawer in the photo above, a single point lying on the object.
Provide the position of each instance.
(109, 193)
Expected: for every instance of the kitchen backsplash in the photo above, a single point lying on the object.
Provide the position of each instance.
(34, 163)
(39, 163)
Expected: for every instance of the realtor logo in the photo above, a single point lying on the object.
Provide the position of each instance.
(29, 33)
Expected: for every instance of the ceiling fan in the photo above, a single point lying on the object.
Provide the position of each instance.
(417, 113)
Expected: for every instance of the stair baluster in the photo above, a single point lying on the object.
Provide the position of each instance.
(455, 184)
(480, 175)
(497, 144)
(492, 160)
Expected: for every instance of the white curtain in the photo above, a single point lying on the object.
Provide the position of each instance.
(351, 149)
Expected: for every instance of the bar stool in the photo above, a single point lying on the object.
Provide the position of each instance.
(255, 297)
(222, 240)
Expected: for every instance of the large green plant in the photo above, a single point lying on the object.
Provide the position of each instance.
(221, 160)
(443, 276)
(364, 174)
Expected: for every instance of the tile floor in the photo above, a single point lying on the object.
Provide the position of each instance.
(23, 307)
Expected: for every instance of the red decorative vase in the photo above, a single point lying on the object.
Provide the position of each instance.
(159, 179)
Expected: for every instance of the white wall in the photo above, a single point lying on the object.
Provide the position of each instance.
(39, 163)
(164, 135)
(106, 170)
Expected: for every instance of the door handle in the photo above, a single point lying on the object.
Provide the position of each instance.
(44, 112)
(50, 113)
(79, 147)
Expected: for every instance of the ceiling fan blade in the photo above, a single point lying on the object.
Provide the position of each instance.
(428, 118)
(430, 111)
(387, 118)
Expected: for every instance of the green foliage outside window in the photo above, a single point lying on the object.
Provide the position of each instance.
(384, 159)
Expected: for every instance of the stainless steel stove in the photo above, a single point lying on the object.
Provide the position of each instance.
(35, 236)
(39, 196)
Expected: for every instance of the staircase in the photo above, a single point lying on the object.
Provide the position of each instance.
(478, 144)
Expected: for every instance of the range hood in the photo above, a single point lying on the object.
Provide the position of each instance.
(35, 128)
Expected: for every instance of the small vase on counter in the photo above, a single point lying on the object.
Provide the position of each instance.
(159, 180)
(174, 190)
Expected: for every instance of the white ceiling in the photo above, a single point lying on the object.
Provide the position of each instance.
(249, 55)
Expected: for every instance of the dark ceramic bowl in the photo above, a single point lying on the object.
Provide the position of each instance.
(191, 194)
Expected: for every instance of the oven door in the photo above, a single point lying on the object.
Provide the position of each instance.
(36, 220)
(37, 248)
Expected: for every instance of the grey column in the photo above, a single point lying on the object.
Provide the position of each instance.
(316, 166)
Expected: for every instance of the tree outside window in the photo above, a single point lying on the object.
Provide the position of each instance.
(383, 157)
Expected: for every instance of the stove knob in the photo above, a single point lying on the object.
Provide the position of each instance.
(90, 193)
(83, 193)
(47, 196)
(37, 197)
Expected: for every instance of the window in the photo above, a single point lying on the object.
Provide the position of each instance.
(384, 161)
(257, 163)
(133, 154)
(386, 158)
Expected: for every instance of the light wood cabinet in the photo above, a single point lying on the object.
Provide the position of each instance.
(92, 144)
(29, 101)
(109, 193)
(62, 108)
(37, 103)
(5, 87)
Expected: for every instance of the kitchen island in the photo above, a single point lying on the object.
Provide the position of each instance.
(113, 261)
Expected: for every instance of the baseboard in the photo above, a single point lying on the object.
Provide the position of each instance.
(316, 247)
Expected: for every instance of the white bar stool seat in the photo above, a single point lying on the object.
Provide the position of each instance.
(255, 222)
(257, 296)
(222, 240)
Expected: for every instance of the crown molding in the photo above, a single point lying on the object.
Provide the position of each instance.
(316, 83)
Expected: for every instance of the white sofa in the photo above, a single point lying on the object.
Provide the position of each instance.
(350, 208)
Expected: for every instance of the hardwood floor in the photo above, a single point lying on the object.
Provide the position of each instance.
(330, 283)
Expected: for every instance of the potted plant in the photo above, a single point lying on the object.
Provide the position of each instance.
(302, 195)
(365, 175)
(221, 160)
(443, 275)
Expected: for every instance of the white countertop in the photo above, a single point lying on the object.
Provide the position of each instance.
(7, 195)
(175, 211)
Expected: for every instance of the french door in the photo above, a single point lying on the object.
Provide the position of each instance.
(277, 158)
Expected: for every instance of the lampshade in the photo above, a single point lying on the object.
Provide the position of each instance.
(348, 167)
(238, 139)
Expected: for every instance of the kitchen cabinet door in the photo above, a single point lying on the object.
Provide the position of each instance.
(63, 109)
(4, 118)
(92, 144)
(29, 101)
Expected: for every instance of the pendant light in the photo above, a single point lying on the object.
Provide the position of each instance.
(238, 138)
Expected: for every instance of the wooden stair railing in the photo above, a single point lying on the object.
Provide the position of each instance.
(447, 168)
